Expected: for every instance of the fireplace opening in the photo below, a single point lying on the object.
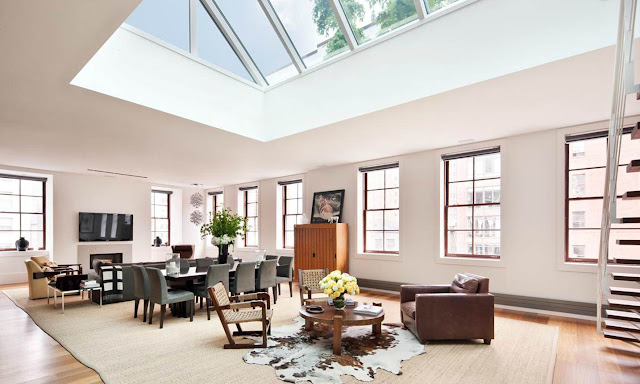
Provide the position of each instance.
(107, 257)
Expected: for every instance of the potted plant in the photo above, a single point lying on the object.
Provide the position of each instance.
(336, 285)
(224, 228)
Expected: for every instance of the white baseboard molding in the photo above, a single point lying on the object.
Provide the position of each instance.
(13, 278)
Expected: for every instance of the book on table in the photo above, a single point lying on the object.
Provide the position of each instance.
(367, 310)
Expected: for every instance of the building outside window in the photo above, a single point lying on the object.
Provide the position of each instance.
(585, 175)
(472, 212)
(578, 219)
(161, 216)
(577, 149)
(291, 210)
(250, 204)
(381, 208)
(22, 211)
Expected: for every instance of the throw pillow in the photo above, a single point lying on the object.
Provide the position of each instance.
(464, 284)
(40, 260)
(49, 264)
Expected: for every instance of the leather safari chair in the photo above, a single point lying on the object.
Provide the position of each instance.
(461, 310)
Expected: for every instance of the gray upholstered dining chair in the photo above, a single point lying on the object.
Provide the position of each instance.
(218, 273)
(203, 263)
(159, 294)
(140, 290)
(184, 265)
(271, 257)
(267, 278)
(285, 273)
(244, 279)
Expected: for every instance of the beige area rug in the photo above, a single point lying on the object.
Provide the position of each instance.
(126, 350)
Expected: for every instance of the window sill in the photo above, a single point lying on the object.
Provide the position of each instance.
(379, 256)
(495, 263)
(584, 267)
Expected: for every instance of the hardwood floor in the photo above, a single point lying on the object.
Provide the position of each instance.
(28, 355)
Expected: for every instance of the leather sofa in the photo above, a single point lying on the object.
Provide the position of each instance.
(457, 311)
(126, 293)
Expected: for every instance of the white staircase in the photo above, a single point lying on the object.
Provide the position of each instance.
(622, 320)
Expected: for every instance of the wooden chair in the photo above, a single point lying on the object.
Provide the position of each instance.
(254, 307)
(309, 281)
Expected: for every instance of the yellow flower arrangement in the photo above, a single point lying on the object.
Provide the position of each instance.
(337, 284)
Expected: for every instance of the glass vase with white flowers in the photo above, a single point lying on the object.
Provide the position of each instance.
(224, 228)
(336, 285)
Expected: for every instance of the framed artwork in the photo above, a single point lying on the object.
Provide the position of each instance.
(327, 206)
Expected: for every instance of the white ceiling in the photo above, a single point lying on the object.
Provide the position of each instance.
(46, 123)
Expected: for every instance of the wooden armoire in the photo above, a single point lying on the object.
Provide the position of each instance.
(319, 246)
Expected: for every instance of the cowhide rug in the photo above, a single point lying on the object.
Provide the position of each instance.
(299, 355)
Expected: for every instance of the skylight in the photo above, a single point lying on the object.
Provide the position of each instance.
(268, 41)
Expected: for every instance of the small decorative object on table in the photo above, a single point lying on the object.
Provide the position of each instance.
(336, 285)
(22, 244)
(224, 228)
(173, 264)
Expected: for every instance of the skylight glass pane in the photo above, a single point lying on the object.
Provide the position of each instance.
(434, 5)
(213, 47)
(372, 18)
(168, 20)
(313, 28)
(249, 22)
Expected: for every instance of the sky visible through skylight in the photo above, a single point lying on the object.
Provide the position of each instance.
(310, 24)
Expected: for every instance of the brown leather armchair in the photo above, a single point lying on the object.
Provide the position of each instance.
(439, 312)
(185, 251)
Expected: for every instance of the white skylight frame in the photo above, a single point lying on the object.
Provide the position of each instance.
(422, 9)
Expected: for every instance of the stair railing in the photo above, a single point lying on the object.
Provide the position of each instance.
(623, 84)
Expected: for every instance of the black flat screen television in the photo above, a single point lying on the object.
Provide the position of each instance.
(105, 227)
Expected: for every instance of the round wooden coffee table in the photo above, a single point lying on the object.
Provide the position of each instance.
(339, 319)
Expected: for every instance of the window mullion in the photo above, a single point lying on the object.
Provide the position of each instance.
(473, 209)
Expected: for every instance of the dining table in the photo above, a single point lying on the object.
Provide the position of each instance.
(187, 278)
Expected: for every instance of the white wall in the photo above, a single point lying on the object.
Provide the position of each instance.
(532, 262)
(74, 193)
(133, 68)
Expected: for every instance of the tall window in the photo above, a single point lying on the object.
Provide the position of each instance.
(586, 161)
(22, 211)
(291, 210)
(472, 204)
(250, 197)
(381, 208)
(161, 216)
(215, 203)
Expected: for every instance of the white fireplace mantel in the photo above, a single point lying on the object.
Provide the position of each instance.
(85, 250)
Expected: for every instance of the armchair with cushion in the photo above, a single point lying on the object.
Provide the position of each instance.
(185, 251)
(37, 280)
(461, 310)
(43, 261)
